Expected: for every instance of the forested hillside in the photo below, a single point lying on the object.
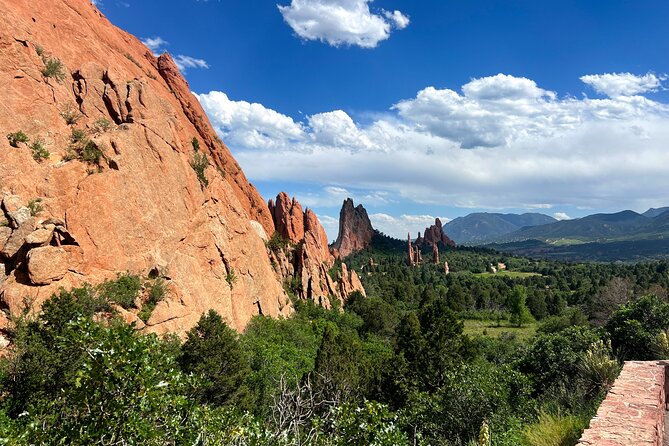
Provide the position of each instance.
(520, 356)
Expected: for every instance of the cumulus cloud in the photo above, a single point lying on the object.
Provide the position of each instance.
(623, 84)
(155, 44)
(185, 62)
(561, 216)
(398, 227)
(341, 22)
(501, 142)
(248, 125)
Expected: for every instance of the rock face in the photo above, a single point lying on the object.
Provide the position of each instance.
(355, 229)
(141, 207)
(435, 234)
(305, 261)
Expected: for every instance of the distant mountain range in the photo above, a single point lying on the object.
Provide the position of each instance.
(625, 235)
(484, 227)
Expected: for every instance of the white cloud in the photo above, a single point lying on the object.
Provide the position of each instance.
(399, 226)
(561, 216)
(249, 125)
(623, 84)
(185, 62)
(341, 22)
(526, 145)
(400, 20)
(155, 44)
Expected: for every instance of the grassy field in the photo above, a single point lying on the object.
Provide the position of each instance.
(508, 273)
(491, 328)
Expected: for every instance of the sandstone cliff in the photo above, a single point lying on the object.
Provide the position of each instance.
(302, 257)
(355, 230)
(122, 171)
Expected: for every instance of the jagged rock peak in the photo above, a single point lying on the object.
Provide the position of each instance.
(355, 229)
(139, 206)
(309, 260)
(435, 234)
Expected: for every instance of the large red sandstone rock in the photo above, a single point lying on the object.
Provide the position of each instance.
(309, 259)
(355, 229)
(145, 208)
(435, 234)
(288, 217)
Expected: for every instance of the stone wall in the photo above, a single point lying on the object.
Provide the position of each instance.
(633, 411)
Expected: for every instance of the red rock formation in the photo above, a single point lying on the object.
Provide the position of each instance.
(436, 234)
(144, 208)
(410, 257)
(288, 217)
(435, 254)
(309, 260)
(447, 270)
(355, 229)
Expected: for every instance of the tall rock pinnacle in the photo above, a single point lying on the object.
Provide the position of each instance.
(355, 229)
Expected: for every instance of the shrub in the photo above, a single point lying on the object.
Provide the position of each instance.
(196, 144)
(101, 125)
(123, 290)
(157, 292)
(91, 153)
(133, 60)
(39, 50)
(39, 151)
(17, 137)
(555, 430)
(78, 135)
(277, 242)
(634, 327)
(199, 163)
(213, 352)
(35, 206)
(53, 67)
(70, 114)
(231, 277)
(597, 368)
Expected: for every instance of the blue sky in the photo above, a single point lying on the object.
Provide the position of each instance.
(424, 108)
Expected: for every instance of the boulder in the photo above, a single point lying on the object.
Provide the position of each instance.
(18, 238)
(5, 233)
(19, 216)
(40, 237)
(47, 264)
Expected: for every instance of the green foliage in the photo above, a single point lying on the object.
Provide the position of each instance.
(212, 351)
(199, 162)
(39, 50)
(122, 291)
(379, 317)
(17, 137)
(231, 277)
(520, 314)
(370, 424)
(78, 135)
(133, 60)
(196, 144)
(70, 114)
(35, 206)
(634, 327)
(39, 151)
(101, 125)
(597, 368)
(91, 153)
(83, 148)
(53, 67)
(157, 291)
(471, 395)
(553, 359)
(277, 242)
(555, 430)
